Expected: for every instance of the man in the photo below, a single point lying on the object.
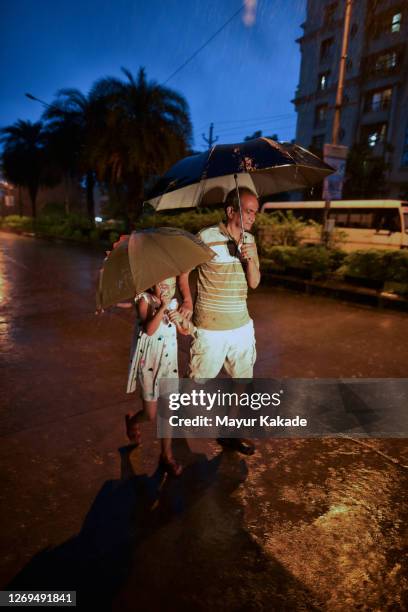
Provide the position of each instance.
(225, 332)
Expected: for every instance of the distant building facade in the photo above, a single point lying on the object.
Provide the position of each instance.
(16, 200)
(375, 103)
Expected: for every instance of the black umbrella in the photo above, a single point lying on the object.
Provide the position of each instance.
(261, 164)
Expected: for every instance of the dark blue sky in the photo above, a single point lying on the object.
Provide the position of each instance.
(242, 81)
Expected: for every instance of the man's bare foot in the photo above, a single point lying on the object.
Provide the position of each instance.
(133, 429)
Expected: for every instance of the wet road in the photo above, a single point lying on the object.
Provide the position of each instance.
(302, 525)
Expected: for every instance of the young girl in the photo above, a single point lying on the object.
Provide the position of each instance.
(155, 357)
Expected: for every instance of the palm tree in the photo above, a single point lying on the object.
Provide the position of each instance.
(123, 133)
(24, 158)
(70, 119)
(146, 128)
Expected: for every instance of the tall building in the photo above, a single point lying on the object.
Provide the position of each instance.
(375, 103)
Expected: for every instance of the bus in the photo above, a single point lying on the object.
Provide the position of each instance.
(365, 224)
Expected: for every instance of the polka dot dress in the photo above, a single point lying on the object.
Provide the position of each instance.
(154, 357)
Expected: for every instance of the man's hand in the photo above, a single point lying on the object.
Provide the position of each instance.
(249, 256)
(248, 252)
(186, 309)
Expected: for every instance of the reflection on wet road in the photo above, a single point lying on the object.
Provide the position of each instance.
(301, 525)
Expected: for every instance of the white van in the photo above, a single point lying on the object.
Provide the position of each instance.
(367, 224)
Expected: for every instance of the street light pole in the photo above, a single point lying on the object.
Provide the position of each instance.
(31, 97)
(64, 179)
(342, 72)
(334, 152)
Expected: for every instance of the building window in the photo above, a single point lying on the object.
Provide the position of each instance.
(323, 80)
(382, 63)
(317, 142)
(386, 61)
(378, 100)
(396, 22)
(373, 135)
(320, 115)
(329, 13)
(390, 21)
(326, 49)
(404, 160)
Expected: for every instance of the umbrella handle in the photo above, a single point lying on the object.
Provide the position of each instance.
(240, 209)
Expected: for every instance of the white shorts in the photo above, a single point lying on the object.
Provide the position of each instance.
(232, 348)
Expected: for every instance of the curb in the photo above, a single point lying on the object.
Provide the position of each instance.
(85, 243)
(337, 290)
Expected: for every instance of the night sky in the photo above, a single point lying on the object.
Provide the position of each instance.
(242, 80)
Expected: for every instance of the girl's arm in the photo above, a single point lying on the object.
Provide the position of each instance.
(151, 322)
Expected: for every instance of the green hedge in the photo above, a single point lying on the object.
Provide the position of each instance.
(309, 261)
(191, 221)
(278, 229)
(377, 265)
(388, 269)
(15, 222)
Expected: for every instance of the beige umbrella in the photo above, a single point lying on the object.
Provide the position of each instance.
(146, 258)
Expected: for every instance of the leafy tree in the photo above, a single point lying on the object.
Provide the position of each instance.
(122, 133)
(25, 158)
(72, 120)
(365, 174)
(146, 129)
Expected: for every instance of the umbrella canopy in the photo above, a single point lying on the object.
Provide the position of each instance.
(146, 258)
(261, 164)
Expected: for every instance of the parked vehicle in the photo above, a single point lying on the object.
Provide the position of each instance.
(379, 224)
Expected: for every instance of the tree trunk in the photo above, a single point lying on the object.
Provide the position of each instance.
(66, 182)
(33, 190)
(20, 202)
(90, 202)
(135, 196)
(122, 199)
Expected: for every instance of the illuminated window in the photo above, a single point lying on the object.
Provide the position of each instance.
(396, 22)
(386, 61)
(378, 100)
(374, 134)
(323, 80)
(388, 21)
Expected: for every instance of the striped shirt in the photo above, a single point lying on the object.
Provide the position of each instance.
(222, 288)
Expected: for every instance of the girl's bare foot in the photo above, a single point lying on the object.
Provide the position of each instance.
(170, 466)
(133, 429)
